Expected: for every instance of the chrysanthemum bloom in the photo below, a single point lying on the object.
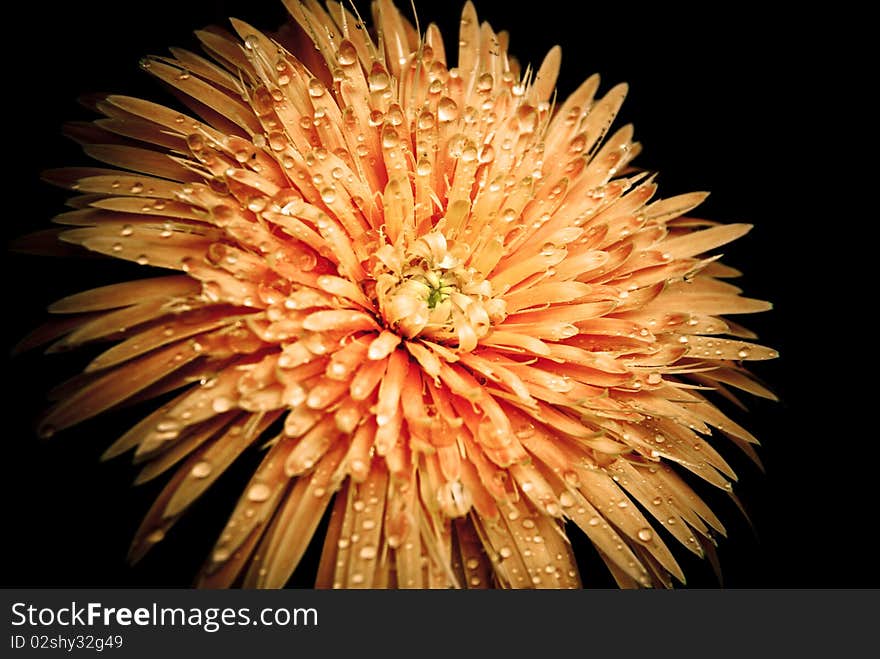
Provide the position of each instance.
(441, 302)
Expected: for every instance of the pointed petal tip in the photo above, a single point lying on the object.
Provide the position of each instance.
(59, 177)
(45, 430)
(112, 452)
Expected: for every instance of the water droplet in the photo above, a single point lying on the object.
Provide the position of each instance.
(328, 195)
(259, 492)
(526, 431)
(157, 535)
(485, 82)
(378, 79)
(472, 563)
(645, 535)
(505, 552)
(201, 470)
(368, 552)
(742, 354)
(423, 168)
(347, 53)
(221, 404)
(316, 88)
(447, 110)
(426, 121)
(527, 118)
(389, 138)
(277, 141)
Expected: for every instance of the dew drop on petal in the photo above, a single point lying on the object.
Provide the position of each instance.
(201, 470)
(258, 492)
(447, 109)
(157, 535)
(390, 138)
(316, 88)
(347, 53)
(221, 404)
(525, 431)
(426, 121)
(378, 80)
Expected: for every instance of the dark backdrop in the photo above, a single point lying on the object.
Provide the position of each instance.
(760, 109)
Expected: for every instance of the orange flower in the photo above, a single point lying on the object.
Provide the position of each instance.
(451, 306)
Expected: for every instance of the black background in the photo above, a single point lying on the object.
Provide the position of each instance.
(761, 109)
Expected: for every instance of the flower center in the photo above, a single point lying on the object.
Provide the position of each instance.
(427, 289)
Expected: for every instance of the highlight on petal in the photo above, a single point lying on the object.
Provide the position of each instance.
(437, 297)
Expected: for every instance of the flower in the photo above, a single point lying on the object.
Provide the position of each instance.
(450, 310)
